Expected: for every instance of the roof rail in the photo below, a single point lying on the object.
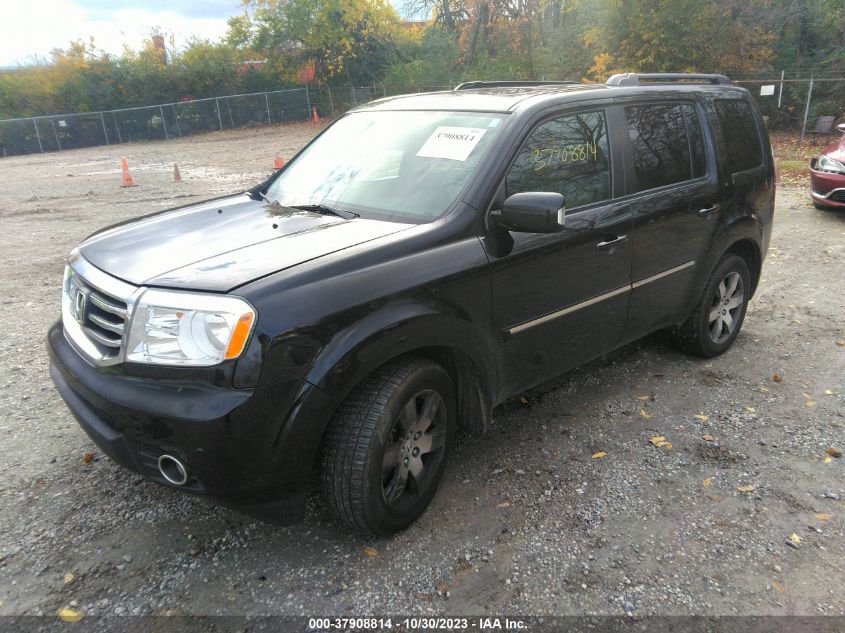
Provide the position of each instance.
(470, 85)
(635, 79)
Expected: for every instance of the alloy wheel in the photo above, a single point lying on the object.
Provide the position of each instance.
(726, 308)
(414, 447)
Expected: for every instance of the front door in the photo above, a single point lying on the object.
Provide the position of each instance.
(561, 298)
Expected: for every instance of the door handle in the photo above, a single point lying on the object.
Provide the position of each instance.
(708, 210)
(611, 242)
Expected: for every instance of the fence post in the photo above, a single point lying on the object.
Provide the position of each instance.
(163, 123)
(307, 103)
(780, 91)
(176, 118)
(56, 134)
(354, 100)
(116, 126)
(105, 134)
(331, 101)
(37, 135)
(806, 111)
(219, 118)
(229, 108)
(267, 103)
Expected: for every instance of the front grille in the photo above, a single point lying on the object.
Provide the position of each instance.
(837, 196)
(102, 316)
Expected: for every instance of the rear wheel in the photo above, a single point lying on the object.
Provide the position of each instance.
(385, 450)
(715, 322)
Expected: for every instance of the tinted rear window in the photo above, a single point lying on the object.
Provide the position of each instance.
(661, 148)
(740, 133)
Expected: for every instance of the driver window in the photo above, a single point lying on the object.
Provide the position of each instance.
(567, 155)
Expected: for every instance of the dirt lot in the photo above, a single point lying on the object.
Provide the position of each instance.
(745, 514)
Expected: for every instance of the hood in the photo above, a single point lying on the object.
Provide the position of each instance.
(222, 244)
(836, 150)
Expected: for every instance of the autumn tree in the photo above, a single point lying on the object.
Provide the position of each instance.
(355, 40)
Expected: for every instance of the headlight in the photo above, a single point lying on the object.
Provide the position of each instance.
(184, 328)
(826, 163)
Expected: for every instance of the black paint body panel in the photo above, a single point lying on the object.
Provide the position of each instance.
(338, 298)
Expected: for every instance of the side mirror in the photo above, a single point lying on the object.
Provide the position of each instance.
(532, 212)
(841, 127)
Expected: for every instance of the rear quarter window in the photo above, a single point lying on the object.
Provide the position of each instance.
(739, 131)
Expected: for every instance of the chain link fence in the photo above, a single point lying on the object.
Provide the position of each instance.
(168, 120)
(794, 102)
(789, 101)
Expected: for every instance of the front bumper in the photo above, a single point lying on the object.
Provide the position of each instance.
(234, 442)
(827, 189)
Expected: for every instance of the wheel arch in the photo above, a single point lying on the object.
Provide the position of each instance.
(749, 250)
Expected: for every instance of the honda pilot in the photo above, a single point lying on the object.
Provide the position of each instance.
(421, 260)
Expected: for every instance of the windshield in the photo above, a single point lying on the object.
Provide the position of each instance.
(400, 166)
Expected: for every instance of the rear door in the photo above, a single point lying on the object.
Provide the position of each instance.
(562, 298)
(675, 200)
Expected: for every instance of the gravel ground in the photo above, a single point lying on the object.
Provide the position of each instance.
(744, 514)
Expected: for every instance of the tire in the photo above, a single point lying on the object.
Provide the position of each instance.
(714, 325)
(384, 453)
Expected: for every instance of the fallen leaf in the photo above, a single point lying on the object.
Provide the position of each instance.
(70, 615)
(372, 552)
(824, 516)
(666, 445)
(504, 504)
(707, 482)
(599, 455)
(523, 400)
(69, 578)
(707, 438)
(777, 377)
(778, 586)
(827, 459)
(643, 397)
(86, 459)
(795, 538)
(702, 417)
(828, 392)
(746, 488)
(750, 409)
(840, 343)
(834, 452)
(811, 404)
(644, 414)
(657, 439)
(764, 389)
(796, 321)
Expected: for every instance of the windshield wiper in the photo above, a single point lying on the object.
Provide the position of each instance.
(325, 210)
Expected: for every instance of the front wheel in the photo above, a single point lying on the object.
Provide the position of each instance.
(385, 450)
(715, 322)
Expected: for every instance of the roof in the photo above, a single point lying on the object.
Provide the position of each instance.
(499, 98)
(480, 99)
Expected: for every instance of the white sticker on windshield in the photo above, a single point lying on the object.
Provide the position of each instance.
(454, 143)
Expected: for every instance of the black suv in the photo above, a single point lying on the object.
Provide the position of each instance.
(421, 260)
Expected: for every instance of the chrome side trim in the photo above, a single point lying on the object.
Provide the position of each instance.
(578, 306)
(829, 193)
(82, 338)
(585, 304)
(665, 273)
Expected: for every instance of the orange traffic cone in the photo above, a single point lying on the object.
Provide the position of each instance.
(126, 179)
(177, 177)
(279, 162)
(315, 118)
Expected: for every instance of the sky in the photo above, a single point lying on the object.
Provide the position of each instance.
(30, 30)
